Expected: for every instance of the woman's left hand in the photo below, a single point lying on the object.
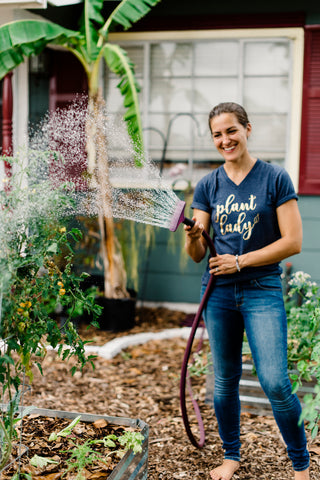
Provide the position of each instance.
(222, 264)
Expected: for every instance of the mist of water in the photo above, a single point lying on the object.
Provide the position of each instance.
(137, 193)
(142, 196)
(50, 182)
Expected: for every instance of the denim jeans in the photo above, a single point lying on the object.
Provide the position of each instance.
(256, 306)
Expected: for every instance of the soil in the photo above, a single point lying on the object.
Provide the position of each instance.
(143, 382)
(89, 441)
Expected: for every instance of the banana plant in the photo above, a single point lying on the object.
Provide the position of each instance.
(23, 38)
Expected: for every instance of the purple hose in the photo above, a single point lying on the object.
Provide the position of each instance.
(184, 369)
(177, 218)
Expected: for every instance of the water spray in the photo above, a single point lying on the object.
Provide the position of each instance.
(140, 195)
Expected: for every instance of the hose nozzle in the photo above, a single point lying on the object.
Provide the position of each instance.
(178, 217)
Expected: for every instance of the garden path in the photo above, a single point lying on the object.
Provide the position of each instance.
(142, 381)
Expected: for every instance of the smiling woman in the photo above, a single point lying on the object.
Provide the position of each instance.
(230, 128)
(250, 242)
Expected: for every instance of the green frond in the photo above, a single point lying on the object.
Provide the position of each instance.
(119, 63)
(23, 38)
(127, 13)
(91, 21)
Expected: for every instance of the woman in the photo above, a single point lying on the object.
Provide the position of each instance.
(252, 207)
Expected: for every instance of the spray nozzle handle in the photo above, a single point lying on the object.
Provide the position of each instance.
(188, 221)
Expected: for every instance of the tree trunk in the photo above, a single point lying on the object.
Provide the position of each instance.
(115, 278)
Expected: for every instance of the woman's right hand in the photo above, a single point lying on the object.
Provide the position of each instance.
(196, 245)
(195, 232)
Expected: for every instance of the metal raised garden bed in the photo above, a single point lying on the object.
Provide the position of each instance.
(131, 466)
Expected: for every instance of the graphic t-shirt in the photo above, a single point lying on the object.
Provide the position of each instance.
(244, 216)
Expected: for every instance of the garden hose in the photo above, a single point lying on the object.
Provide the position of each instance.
(184, 370)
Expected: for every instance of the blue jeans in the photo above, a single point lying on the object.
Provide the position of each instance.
(256, 306)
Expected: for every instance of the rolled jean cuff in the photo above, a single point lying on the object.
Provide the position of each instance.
(302, 467)
(300, 459)
(236, 458)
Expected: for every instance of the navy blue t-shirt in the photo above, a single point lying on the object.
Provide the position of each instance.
(244, 216)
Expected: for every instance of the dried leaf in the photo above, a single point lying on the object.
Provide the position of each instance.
(100, 423)
(41, 462)
(314, 449)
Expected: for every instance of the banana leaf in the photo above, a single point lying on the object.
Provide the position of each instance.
(120, 64)
(23, 38)
(90, 20)
(127, 13)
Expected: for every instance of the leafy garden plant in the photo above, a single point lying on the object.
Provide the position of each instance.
(303, 313)
(82, 454)
(201, 363)
(36, 278)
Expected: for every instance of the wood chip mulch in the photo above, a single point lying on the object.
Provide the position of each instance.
(143, 382)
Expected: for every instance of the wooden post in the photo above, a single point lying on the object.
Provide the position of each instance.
(7, 107)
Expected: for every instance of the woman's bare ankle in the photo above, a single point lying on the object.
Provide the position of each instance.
(304, 475)
(225, 471)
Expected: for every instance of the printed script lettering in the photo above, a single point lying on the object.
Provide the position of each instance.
(243, 226)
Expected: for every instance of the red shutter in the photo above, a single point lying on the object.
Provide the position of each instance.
(1, 88)
(310, 130)
(67, 81)
(7, 107)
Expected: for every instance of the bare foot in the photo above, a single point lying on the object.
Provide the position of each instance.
(304, 475)
(227, 469)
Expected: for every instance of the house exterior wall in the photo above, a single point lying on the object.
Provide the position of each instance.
(162, 279)
(163, 274)
(309, 259)
(168, 281)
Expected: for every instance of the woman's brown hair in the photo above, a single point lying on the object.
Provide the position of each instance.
(230, 107)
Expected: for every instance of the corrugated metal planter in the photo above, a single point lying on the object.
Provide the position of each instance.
(131, 466)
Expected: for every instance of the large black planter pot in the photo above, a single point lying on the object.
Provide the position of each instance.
(118, 314)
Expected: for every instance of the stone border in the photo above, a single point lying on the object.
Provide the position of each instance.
(115, 346)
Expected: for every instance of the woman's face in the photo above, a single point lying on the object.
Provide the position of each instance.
(230, 137)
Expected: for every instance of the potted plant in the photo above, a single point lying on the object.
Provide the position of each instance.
(303, 313)
(91, 47)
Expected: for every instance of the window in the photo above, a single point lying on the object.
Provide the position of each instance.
(183, 77)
